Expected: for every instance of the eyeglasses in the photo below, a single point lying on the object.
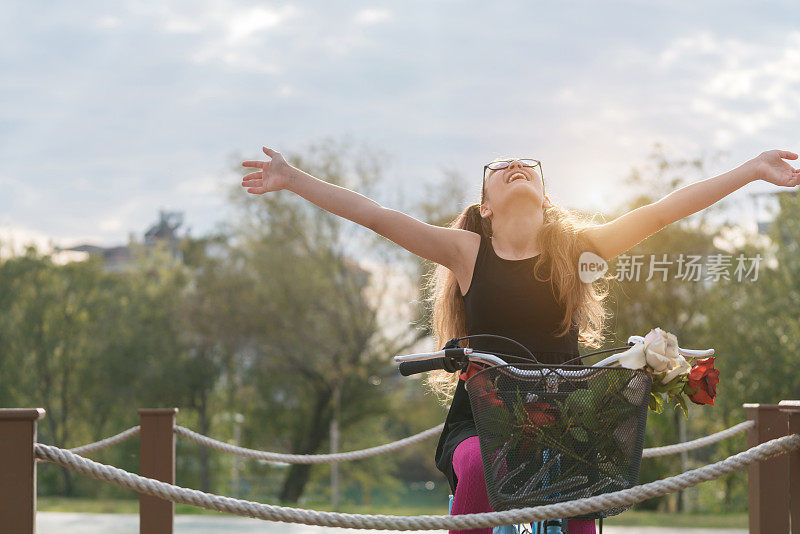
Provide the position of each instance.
(503, 164)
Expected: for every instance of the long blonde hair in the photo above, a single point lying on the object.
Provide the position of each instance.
(561, 240)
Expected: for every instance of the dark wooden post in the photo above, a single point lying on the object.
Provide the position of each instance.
(157, 461)
(18, 469)
(767, 481)
(792, 410)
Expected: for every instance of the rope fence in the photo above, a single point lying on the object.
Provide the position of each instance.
(177, 494)
(699, 442)
(372, 451)
(773, 476)
(307, 458)
(416, 438)
(108, 442)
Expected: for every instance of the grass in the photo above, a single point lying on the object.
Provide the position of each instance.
(105, 506)
(131, 506)
(629, 518)
(643, 518)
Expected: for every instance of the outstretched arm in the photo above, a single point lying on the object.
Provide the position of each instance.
(615, 237)
(436, 243)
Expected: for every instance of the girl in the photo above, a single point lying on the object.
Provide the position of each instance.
(509, 266)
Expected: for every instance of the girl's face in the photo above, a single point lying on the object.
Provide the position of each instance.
(515, 183)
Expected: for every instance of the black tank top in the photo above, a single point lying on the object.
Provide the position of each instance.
(505, 299)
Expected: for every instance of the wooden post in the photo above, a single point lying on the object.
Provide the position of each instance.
(18, 469)
(792, 410)
(157, 461)
(767, 481)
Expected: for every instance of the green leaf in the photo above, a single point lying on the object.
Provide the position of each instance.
(602, 383)
(675, 385)
(591, 421)
(682, 404)
(656, 402)
(579, 433)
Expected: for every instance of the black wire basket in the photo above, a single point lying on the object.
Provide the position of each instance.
(551, 436)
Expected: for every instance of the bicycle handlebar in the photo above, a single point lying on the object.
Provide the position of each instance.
(419, 363)
(453, 359)
(420, 366)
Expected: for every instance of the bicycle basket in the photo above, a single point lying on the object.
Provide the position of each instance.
(548, 434)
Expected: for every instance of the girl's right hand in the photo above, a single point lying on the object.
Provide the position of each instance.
(272, 175)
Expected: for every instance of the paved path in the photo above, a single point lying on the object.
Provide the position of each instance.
(67, 523)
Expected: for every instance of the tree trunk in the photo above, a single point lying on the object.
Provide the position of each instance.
(312, 438)
(66, 474)
(681, 424)
(205, 427)
(66, 482)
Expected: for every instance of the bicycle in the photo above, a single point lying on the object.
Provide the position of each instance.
(550, 470)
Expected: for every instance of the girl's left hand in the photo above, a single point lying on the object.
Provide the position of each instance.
(770, 167)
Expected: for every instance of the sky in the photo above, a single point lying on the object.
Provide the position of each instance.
(112, 111)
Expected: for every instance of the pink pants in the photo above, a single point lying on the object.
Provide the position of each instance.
(470, 496)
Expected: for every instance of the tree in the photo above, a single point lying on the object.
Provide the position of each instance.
(640, 300)
(757, 332)
(210, 315)
(313, 314)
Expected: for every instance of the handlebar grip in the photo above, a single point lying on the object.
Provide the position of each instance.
(413, 368)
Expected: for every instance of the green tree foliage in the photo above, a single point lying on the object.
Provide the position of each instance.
(313, 321)
(84, 343)
(264, 329)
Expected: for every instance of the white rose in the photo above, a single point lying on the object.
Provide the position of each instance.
(661, 353)
(633, 358)
(680, 367)
(655, 346)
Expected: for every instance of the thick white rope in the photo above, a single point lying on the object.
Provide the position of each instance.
(307, 458)
(374, 451)
(365, 453)
(426, 522)
(699, 442)
(103, 443)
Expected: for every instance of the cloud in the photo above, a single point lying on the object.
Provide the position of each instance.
(115, 103)
(108, 22)
(703, 42)
(14, 239)
(370, 16)
(238, 33)
(225, 31)
(229, 20)
(748, 86)
(23, 194)
(706, 87)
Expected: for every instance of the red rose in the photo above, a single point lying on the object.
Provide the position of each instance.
(472, 369)
(702, 384)
(540, 413)
(481, 386)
